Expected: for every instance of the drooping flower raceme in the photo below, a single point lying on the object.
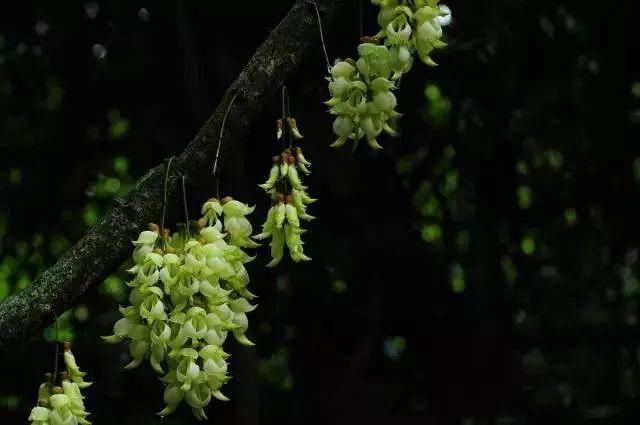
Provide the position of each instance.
(62, 403)
(362, 97)
(362, 90)
(187, 295)
(289, 201)
(409, 27)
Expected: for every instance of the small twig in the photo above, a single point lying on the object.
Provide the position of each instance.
(361, 17)
(164, 199)
(186, 210)
(55, 364)
(324, 45)
(214, 171)
(289, 123)
(284, 113)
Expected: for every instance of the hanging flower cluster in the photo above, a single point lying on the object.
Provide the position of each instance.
(62, 403)
(187, 294)
(289, 200)
(361, 91)
(410, 26)
(362, 97)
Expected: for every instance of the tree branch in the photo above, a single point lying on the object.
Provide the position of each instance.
(108, 244)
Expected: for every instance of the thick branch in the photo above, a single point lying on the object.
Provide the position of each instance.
(108, 244)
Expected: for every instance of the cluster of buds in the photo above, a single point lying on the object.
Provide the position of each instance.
(289, 206)
(188, 293)
(361, 91)
(62, 403)
(293, 128)
(411, 26)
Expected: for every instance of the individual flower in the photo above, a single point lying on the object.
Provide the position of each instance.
(39, 416)
(75, 374)
(236, 223)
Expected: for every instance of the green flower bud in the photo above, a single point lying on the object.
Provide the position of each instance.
(152, 308)
(284, 169)
(274, 176)
(268, 225)
(138, 350)
(398, 31)
(339, 86)
(235, 208)
(343, 126)
(374, 60)
(211, 210)
(43, 394)
(294, 179)
(277, 247)
(199, 396)
(240, 230)
(61, 413)
(146, 238)
(187, 372)
(385, 102)
(241, 305)
(292, 215)
(342, 69)
(39, 416)
(173, 395)
(292, 237)
(76, 403)
(280, 215)
(141, 252)
(74, 371)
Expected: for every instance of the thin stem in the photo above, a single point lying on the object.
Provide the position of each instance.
(186, 211)
(285, 123)
(214, 171)
(164, 200)
(324, 45)
(290, 130)
(361, 17)
(55, 364)
(284, 94)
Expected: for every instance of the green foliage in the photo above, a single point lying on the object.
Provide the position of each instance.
(438, 106)
(118, 125)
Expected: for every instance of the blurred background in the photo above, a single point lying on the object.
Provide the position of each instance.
(482, 269)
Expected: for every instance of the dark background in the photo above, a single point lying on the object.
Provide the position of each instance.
(482, 269)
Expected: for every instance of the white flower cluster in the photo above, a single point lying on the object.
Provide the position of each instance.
(63, 404)
(289, 206)
(187, 295)
(361, 91)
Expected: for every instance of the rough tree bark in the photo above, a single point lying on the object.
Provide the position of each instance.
(108, 244)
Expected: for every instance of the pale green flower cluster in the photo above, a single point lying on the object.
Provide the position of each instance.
(362, 97)
(187, 295)
(410, 26)
(289, 201)
(362, 91)
(62, 404)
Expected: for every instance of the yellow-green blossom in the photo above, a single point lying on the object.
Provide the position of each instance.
(186, 297)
